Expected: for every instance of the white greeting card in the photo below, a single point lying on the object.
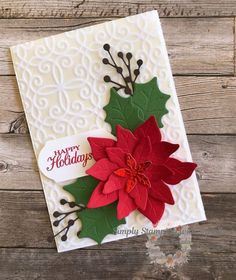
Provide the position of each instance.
(71, 86)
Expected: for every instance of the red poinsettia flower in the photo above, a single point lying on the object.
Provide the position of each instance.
(135, 170)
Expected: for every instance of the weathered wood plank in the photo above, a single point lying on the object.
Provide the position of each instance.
(114, 8)
(46, 264)
(24, 223)
(18, 167)
(216, 159)
(234, 47)
(100, 264)
(196, 46)
(215, 156)
(207, 104)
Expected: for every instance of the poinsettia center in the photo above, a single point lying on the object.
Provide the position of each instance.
(134, 172)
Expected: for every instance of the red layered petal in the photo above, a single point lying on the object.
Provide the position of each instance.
(144, 180)
(125, 139)
(130, 161)
(114, 183)
(117, 156)
(121, 172)
(99, 145)
(99, 199)
(134, 170)
(161, 191)
(143, 150)
(130, 184)
(125, 205)
(181, 170)
(140, 196)
(161, 152)
(143, 166)
(158, 172)
(102, 169)
(154, 210)
(149, 128)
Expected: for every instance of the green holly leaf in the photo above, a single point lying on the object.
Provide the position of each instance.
(150, 100)
(130, 112)
(121, 111)
(82, 189)
(97, 222)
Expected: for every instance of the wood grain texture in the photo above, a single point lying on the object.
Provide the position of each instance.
(98, 264)
(18, 167)
(201, 41)
(195, 46)
(114, 8)
(215, 156)
(24, 224)
(207, 104)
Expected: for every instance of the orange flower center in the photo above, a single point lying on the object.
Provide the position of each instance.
(134, 173)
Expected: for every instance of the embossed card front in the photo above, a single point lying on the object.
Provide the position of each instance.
(61, 83)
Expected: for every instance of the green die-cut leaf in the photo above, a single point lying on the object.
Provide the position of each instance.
(130, 112)
(82, 189)
(150, 100)
(98, 222)
(121, 111)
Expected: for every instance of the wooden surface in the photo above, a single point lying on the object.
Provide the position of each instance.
(200, 37)
(196, 46)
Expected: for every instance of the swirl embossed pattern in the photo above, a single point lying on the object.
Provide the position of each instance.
(63, 92)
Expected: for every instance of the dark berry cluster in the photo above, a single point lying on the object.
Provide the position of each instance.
(63, 215)
(128, 76)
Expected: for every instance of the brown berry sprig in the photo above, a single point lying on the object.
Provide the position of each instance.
(63, 215)
(129, 78)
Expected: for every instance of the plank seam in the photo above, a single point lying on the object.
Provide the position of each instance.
(115, 17)
(210, 75)
(234, 50)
